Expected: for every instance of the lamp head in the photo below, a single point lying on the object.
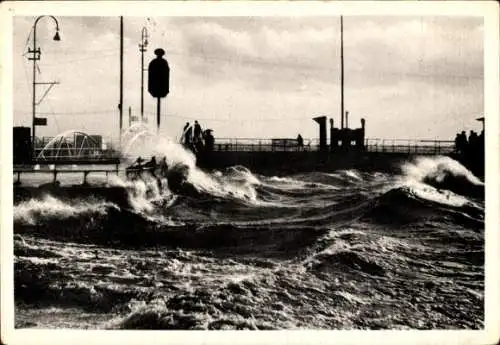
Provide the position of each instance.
(159, 52)
(57, 37)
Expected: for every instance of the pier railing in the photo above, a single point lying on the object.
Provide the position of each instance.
(108, 154)
(424, 147)
(262, 145)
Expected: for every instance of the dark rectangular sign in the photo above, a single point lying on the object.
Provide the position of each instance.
(40, 121)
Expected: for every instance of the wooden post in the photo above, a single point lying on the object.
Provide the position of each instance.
(121, 79)
(85, 173)
(341, 72)
(158, 114)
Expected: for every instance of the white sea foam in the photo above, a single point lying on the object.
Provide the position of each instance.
(438, 168)
(422, 170)
(28, 212)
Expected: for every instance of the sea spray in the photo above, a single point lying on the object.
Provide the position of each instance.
(428, 174)
(237, 183)
(34, 210)
(145, 194)
(353, 258)
(438, 169)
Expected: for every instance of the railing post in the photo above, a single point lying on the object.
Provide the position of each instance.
(85, 173)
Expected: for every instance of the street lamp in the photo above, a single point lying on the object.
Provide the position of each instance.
(142, 48)
(36, 56)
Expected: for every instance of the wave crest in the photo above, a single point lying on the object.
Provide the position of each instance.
(443, 173)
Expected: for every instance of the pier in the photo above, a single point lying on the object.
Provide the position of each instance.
(79, 153)
(341, 147)
(408, 146)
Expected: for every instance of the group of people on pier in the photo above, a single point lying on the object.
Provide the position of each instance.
(193, 138)
(475, 143)
(196, 139)
(150, 166)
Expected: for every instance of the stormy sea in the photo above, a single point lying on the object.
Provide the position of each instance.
(341, 250)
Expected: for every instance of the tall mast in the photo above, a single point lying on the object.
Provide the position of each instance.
(341, 73)
(142, 48)
(121, 77)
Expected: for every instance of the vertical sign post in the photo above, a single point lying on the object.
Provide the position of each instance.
(341, 72)
(121, 79)
(142, 48)
(159, 80)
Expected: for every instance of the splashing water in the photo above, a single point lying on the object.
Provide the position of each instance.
(31, 211)
(345, 250)
(438, 169)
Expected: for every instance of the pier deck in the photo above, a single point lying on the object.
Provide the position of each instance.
(64, 169)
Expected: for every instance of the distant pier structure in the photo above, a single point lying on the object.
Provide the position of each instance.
(341, 139)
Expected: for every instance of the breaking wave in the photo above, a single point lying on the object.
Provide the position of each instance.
(347, 249)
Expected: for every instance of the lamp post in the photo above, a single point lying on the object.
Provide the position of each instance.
(142, 48)
(36, 56)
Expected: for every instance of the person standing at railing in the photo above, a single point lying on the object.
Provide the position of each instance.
(184, 132)
(457, 143)
(473, 143)
(197, 131)
(462, 143)
(188, 136)
(209, 140)
(300, 142)
(197, 139)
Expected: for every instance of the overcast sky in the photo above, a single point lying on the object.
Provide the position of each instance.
(260, 77)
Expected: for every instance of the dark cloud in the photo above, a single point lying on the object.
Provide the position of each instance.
(216, 41)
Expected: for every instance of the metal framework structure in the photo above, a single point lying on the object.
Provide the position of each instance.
(70, 145)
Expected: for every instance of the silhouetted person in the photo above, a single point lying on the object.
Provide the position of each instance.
(188, 137)
(137, 163)
(457, 143)
(184, 131)
(197, 131)
(209, 141)
(463, 143)
(151, 163)
(300, 142)
(472, 140)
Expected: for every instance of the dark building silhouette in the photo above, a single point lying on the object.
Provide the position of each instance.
(347, 139)
(321, 120)
(22, 149)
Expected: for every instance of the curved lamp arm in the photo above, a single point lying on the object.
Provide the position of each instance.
(56, 36)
